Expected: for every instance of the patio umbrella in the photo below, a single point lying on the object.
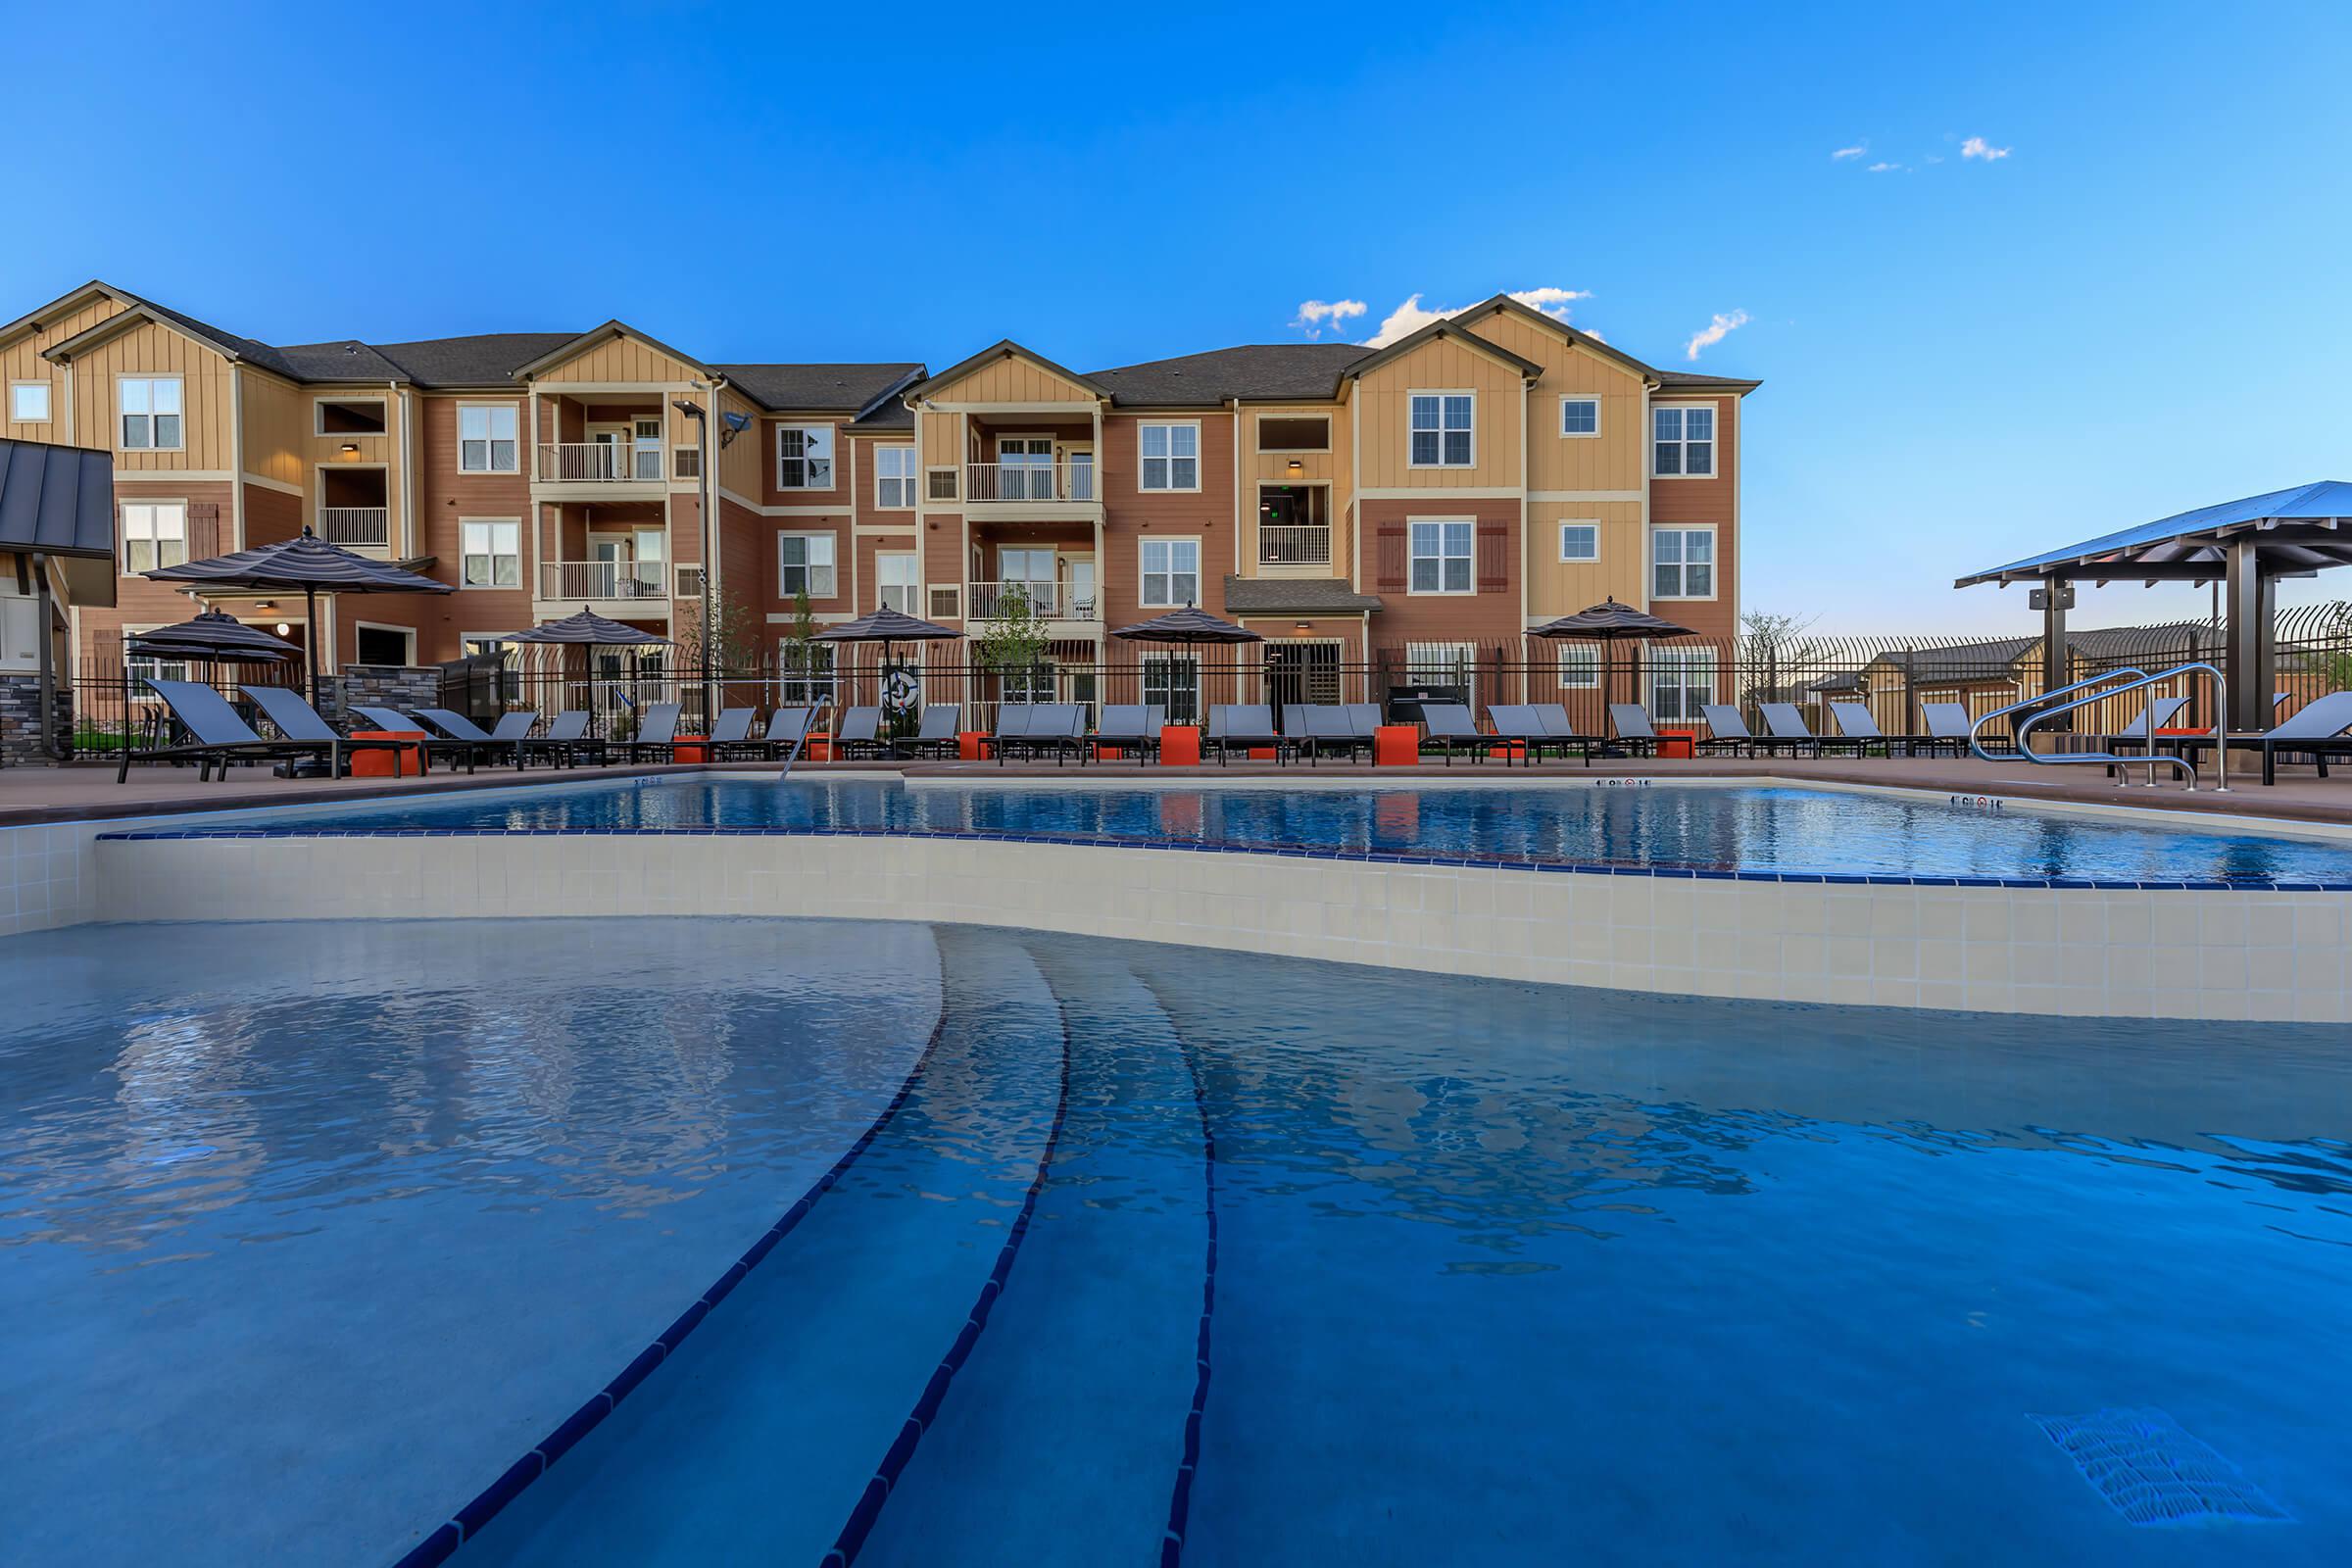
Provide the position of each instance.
(586, 629)
(887, 627)
(1609, 623)
(212, 635)
(307, 564)
(1187, 625)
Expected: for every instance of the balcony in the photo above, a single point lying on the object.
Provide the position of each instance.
(598, 463)
(601, 580)
(355, 527)
(1048, 600)
(1029, 482)
(1287, 545)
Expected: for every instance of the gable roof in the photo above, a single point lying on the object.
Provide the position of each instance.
(1431, 333)
(1301, 372)
(1004, 349)
(72, 299)
(1504, 305)
(482, 359)
(597, 337)
(825, 388)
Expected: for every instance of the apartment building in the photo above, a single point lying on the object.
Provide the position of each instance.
(1404, 506)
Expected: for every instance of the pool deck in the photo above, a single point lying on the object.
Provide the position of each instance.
(78, 793)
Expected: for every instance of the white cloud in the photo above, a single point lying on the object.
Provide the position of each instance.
(1855, 151)
(1411, 316)
(1978, 147)
(1715, 331)
(1883, 169)
(1316, 315)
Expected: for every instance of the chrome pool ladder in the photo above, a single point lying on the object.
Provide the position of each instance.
(2098, 689)
(801, 739)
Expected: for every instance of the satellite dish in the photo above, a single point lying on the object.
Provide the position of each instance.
(735, 424)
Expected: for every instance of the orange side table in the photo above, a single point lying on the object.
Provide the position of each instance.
(690, 749)
(1677, 743)
(1179, 746)
(1395, 746)
(381, 762)
(820, 748)
(971, 745)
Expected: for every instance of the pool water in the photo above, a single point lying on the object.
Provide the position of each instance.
(310, 1232)
(1719, 828)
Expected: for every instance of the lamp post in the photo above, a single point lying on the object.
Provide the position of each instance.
(701, 423)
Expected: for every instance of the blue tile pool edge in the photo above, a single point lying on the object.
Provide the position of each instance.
(1279, 850)
(485, 1505)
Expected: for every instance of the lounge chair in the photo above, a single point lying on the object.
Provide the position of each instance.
(732, 732)
(937, 733)
(1029, 729)
(1132, 727)
(657, 735)
(220, 737)
(788, 732)
(1242, 727)
(1329, 727)
(436, 743)
(2140, 733)
(1788, 727)
(1630, 721)
(859, 731)
(2317, 731)
(1727, 731)
(296, 721)
(567, 740)
(1363, 722)
(1535, 731)
(510, 734)
(1012, 727)
(1948, 722)
(1450, 727)
(1856, 722)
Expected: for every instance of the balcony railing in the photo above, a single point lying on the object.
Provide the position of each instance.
(601, 580)
(1029, 482)
(1048, 600)
(359, 527)
(598, 461)
(1281, 543)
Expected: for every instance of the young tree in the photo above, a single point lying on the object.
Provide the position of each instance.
(1013, 640)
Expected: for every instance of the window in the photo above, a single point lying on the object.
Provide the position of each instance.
(942, 484)
(486, 438)
(1682, 682)
(686, 462)
(1580, 541)
(1173, 681)
(1171, 457)
(1580, 667)
(805, 564)
(899, 581)
(151, 419)
(1580, 415)
(1039, 683)
(1171, 573)
(348, 417)
(29, 402)
(1441, 429)
(1685, 444)
(946, 601)
(492, 554)
(803, 457)
(1440, 556)
(1682, 563)
(138, 667)
(386, 644)
(1294, 433)
(804, 672)
(893, 478)
(155, 533)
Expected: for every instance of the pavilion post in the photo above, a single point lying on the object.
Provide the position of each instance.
(2248, 598)
(2057, 666)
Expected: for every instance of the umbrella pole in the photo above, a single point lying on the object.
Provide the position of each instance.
(310, 637)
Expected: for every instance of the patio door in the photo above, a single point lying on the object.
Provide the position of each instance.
(610, 458)
(1298, 671)
(646, 440)
(1030, 570)
(1025, 467)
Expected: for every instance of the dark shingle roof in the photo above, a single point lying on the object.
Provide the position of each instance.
(1692, 380)
(346, 360)
(1305, 372)
(890, 417)
(843, 388)
(1295, 596)
(480, 360)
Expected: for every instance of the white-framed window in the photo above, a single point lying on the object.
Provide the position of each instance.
(899, 582)
(29, 402)
(1171, 573)
(893, 478)
(1683, 442)
(490, 553)
(1580, 541)
(804, 566)
(487, 442)
(151, 413)
(1580, 667)
(803, 457)
(155, 533)
(1444, 432)
(1580, 417)
(1682, 682)
(1038, 682)
(1173, 681)
(1171, 456)
(138, 667)
(1682, 563)
(804, 672)
(1440, 551)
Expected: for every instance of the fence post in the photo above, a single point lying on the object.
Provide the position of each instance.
(1911, 724)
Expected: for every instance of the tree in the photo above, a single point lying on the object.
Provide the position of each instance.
(799, 663)
(733, 642)
(1013, 640)
(1768, 644)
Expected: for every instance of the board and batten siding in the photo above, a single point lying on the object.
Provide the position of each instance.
(1441, 365)
(1011, 379)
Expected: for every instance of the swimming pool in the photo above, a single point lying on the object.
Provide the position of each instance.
(314, 1232)
(1765, 829)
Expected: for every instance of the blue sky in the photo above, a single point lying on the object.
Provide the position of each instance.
(2135, 309)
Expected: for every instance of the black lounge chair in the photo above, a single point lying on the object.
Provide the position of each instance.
(1134, 727)
(1727, 731)
(510, 734)
(732, 732)
(2139, 734)
(1634, 733)
(657, 735)
(1242, 727)
(296, 721)
(2317, 731)
(1331, 727)
(220, 737)
(567, 740)
(1788, 725)
(788, 730)
(435, 744)
(1536, 728)
(859, 731)
(1948, 722)
(1031, 729)
(937, 733)
(1856, 722)
(1450, 727)
(1012, 727)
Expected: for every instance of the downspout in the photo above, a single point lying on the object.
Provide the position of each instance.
(50, 747)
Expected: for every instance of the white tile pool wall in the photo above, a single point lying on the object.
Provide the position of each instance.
(2125, 953)
(47, 876)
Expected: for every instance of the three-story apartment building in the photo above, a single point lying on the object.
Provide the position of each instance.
(1404, 506)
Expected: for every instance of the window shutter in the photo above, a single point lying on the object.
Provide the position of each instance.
(204, 529)
(1493, 557)
(1390, 572)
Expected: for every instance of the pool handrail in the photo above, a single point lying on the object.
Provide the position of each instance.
(2133, 680)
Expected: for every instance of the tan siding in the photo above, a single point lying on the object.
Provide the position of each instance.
(622, 359)
(1610, 460)
(1328, 469)
(21, 360)
(1557, 588)
(276, 428)
(1011, 380)
(1441, 365)
(738, 463)
(153, 350)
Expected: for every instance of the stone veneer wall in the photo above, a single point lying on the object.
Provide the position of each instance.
(21, 720)
(380, 686)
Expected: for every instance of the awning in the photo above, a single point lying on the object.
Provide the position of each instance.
(2303, 529)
